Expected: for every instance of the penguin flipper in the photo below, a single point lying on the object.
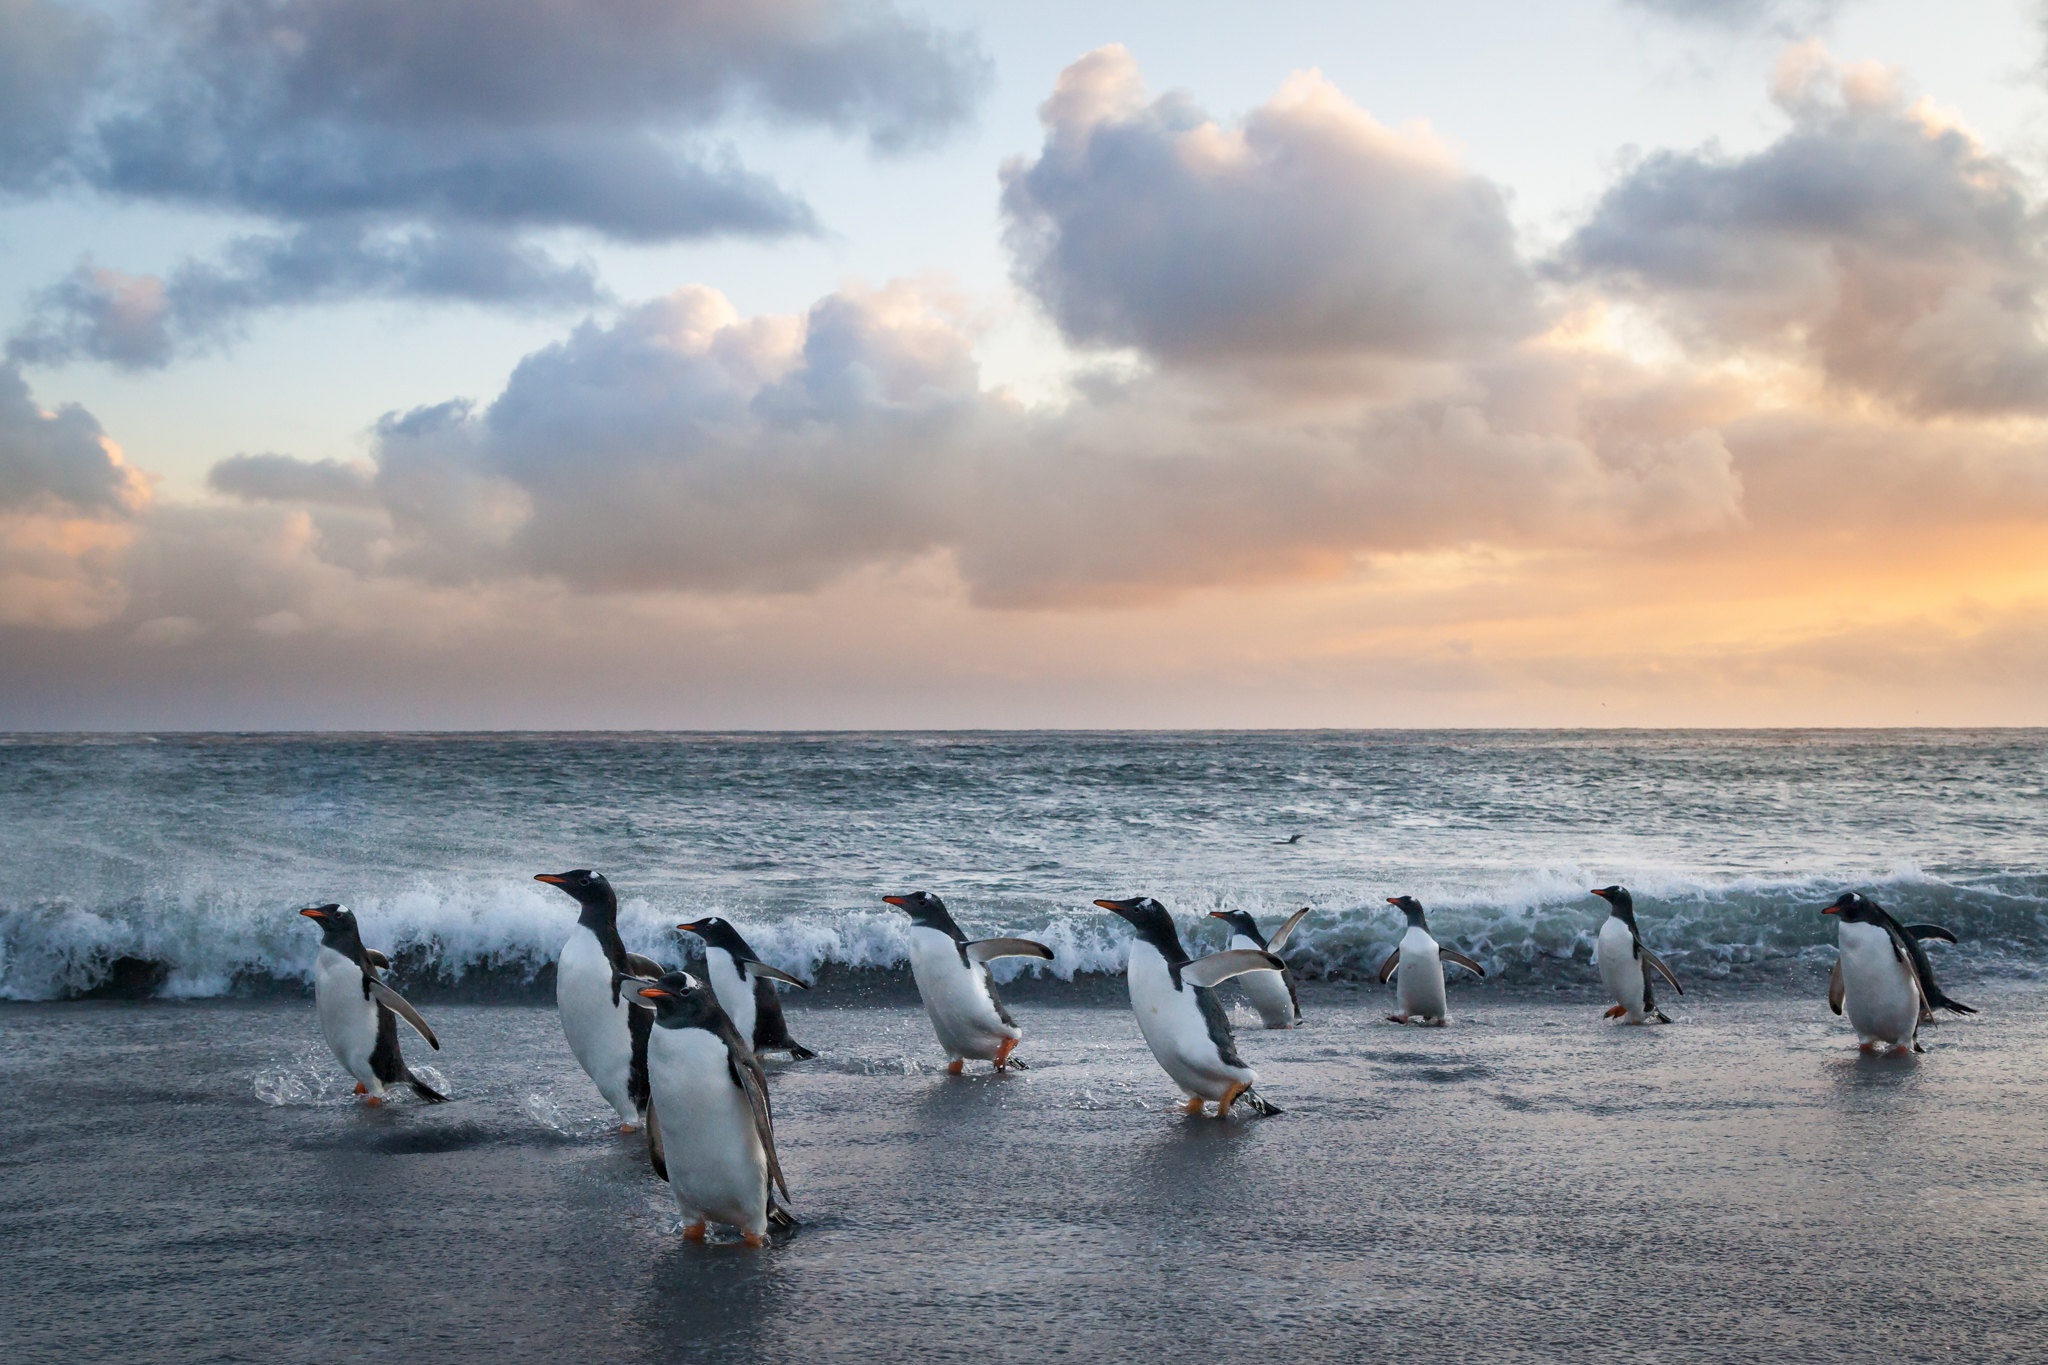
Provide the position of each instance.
(747, 1074)
(988, 949)
(1387, 968)
(1217, 968)
(383, 963)
(1836, 988)
(1286, 930)
(1650, 959)
(1923, 932)
(1453, 955)
(397, 1004)
(656, 1156)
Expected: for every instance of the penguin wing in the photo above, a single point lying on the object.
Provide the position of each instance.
(656, 1156)
(1453, 955)
(755, 968)
(1393, 961)
(398, 1005)
(1217, 968)
(1923, 932)
(1906, 944)
(988, 949)
(747, 1074)
(1836, 990)
(1650, 959)
(1286, 930)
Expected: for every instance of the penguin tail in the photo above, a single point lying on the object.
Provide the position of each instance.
(799, 1053)
(1956, 1005)
(780, 1217)
(1660, 1016)
(1252, 1100)
(423, 1090)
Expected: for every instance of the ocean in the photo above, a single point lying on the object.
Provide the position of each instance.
(185, 1176)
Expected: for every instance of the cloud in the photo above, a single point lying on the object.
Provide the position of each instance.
(60, 457)
(1310, 228)
(145, 321)
(280, 478)
(1779, 15)
(49, 56)
(1875, 239)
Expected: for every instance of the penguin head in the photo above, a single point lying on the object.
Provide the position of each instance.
(1620, 904)
(926, 911)
(682, 1001)
(1412, 908)
(337, 928)
(716, 933)
(1853, 908)
(1240, 922)
(589, 888)
(1152, 922)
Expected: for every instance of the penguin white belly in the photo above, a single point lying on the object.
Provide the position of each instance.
(1880, 993)
(598, 1031)
(1421, 977)
(1174, 1029)
(347, 1020)
(956, 997)
(1621, 971)
(716, 1165)
(1267, 991)
(735, 993)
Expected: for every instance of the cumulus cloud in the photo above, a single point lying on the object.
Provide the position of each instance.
(1309, 229)
(280, 478)
(1780, 15)
(407, 146)
(1875, 238)
(60, 457)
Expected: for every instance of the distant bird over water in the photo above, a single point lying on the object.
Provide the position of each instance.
(1290, 839)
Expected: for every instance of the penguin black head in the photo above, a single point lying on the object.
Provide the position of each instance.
(682, 1001)
(1620, 904)
(1152, 922)
(716, 933)
(1240, 922)
(1854, 908)
(590, 889)
(927, 911)
(1412, 908)
(337, 929)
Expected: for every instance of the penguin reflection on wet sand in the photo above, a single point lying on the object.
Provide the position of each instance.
(359, 1014)
(1626, 964)
(1882, 975)
(952, 978)
(1419, 958)
(1272, 993)
(745, 987)
(710, 1097)
(1178, 1013)
(606, 1028)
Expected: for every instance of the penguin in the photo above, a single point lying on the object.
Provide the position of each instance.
(1273, 996)
(605, 1029)
(1178, 1012)
(744, 985)
(359, 1014)
(952, 978)
(1625, 964)
(707, 1090)
(1420, 960)
(1883, 976)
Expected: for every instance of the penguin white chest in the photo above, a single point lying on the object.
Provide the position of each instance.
(1880, 994)
(1421, 978)
(956, 997)
(347, 1020)
(716, 1164)
(735, 993)
(1174, 1028)
(1620, 970)
(598, 1031)
(1266, 990)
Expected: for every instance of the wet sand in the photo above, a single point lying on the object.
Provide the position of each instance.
(191, 1182)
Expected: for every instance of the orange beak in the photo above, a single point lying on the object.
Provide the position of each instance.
(896, 901)
(550, 878)
(691, 927)
(654, 993)
(313, 913)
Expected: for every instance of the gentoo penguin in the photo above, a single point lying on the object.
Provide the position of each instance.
(605, 1030)
(952, 977)
(359, 1014)
(711, 1099)
(1626, 964)
(1272, 993)
(1178, 1013)
(1882, 975)
(1420, 960)
(744, 985)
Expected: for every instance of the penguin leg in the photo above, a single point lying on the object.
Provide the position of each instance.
(694, 1232)
(1615, 1012)
(373, 1100)
(1229, 1098)
(1002, 1057)
(956, 1066)
(1194, 1104)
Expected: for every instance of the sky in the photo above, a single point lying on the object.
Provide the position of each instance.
(818, 364)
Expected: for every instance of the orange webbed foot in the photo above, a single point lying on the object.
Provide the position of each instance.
(1003, 1053)
(1615, 1011)
(754, 1240)
(629, 1128)
(1194, 1105)
(956, 1066)
(694, 1232)
(1229, 1098)
(362, 1089)
(373, 1100)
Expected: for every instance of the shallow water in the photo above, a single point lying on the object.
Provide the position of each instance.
(188, 853)
(185, 1182)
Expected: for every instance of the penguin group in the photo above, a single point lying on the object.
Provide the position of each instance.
(680, 1058)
